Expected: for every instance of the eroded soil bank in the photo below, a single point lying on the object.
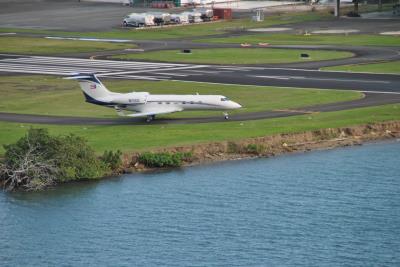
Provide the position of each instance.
(269, 146)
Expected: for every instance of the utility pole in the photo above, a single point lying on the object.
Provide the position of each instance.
(337, 8)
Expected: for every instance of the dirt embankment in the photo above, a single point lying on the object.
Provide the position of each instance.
(269, 146)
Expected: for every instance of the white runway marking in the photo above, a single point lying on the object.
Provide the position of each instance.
(137, 77)
(335, 31)
(270, 29)
(35, 72)
(317, 79)
(85, 62)
(150, 70)
(203, 71)
(38, 67)
(390, 33)
(66, 66)
(89, 39)
(173, 74)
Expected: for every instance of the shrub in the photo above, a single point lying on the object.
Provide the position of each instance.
(233, 147)
(164, 159)
(77, 160)
(112, 159)
(254, 149)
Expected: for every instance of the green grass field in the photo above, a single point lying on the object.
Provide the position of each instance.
(54, 96)
(30, 45)
(145, 137)
(313, 39)
(184, 31)
(236, 55)
(392, 67)
(49, 95)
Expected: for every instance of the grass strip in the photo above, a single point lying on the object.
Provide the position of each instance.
(49, 95)
(145, 137)
(313, 39)
(392, 67)
(43, 46)
(236, 56)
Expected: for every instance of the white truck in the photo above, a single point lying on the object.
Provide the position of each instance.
(138, 20)
(194, 17)
(206, 13)
(180, 18)
(161, 18)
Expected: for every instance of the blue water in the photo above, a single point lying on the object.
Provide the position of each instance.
(324, 208)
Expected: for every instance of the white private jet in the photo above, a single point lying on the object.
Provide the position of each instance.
(148, 105)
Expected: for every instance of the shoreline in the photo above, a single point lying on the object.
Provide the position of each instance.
(273, 145)
(262, 147)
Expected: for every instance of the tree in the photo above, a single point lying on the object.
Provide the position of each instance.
(28, 163)
(39, 160)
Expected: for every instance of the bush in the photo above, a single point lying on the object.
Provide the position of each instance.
(254, 149)
(233, 147)
(77, 160)
(164, 159)
(38, 160)
(112, 159)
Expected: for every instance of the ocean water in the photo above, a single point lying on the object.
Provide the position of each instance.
(323, 208)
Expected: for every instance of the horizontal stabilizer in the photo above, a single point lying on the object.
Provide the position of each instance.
(149, 113)
(77, 77)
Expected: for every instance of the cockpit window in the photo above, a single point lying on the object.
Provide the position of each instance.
(224, 99)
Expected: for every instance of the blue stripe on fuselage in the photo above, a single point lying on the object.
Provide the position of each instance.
(91, 100)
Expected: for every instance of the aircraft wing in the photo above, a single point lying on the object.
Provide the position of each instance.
(150, 112)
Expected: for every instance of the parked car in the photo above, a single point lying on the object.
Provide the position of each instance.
(161, 18)
(194, 17)
(206, 13)
(138, 20)
(180, 18)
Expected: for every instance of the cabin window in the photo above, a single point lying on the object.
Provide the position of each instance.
(184, 102)
(191, 102)
(159, 103)
(168, 103)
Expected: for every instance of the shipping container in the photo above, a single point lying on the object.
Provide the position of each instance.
(223, 13)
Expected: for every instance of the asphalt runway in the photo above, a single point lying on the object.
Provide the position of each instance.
(223, 74)
(370, 99)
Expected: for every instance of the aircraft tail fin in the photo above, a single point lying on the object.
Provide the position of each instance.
(93, 89)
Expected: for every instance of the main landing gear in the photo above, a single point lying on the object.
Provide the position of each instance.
(150, 118)
(226, 115)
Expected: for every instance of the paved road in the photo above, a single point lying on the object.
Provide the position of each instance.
(242, 75)
(371, 99)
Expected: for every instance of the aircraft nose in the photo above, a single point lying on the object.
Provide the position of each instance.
(236, 105)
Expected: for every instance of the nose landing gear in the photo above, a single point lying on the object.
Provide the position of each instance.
(150, 118)
(226, 115)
